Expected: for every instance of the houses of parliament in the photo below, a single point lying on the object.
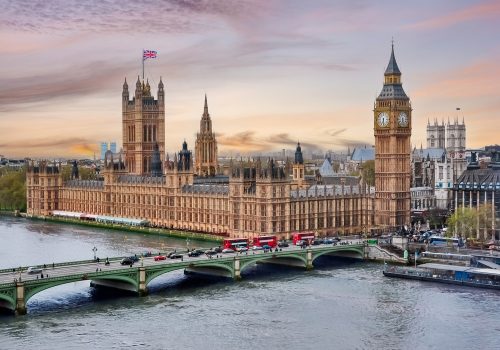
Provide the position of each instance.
(191, 191)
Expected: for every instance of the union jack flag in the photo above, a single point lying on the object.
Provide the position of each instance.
(148, 54)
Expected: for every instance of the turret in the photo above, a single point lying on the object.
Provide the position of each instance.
(125, 95)
(138, 91)
(161, 95)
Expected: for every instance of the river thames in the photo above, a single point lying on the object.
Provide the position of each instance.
(339, 305)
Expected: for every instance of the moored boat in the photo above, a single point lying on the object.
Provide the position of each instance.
(450, 274)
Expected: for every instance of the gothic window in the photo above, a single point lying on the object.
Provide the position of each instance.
(432, 141)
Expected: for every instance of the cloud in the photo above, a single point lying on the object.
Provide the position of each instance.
(478, 79)
(115, 16)
(244, 141)
(481, 11)
(45, 142)
(71, 81)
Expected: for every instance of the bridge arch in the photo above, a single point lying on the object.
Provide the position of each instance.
(32, 290)
(347, 252)
(274, 258)
(152, 274)
(8, 300)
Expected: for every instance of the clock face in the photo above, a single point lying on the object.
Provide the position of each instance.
(403, 119)
(383, 119)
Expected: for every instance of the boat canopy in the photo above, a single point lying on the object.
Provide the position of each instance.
(100, 218)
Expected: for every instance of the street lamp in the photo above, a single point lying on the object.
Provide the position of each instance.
(94, 250)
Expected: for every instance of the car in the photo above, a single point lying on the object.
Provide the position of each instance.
(299, 242)
(217, 249)
(176, 256)
(199, 251)
(171, 253)
(242, 249)
(127, 261)
(328, 241)
(257, 247)
(266, 247)
(134, 258)
(34, 270)
(227, 250)
(194, 253)
(317, 241)
(147, 254)
(282, 244)
(210, 252)
(160, 257)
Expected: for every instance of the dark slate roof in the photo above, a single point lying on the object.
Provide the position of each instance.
(392, 67)
(222, 189)
(326, 169)
(338, 180)
(485, 179)
(84, 183)
(433, 153)
(138, 179)
(392, 91)
(217, 179)
(363, 154)
(324, 191)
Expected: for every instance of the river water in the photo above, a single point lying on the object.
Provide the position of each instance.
(339, 305)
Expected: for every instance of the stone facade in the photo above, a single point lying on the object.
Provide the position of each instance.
(255, 197)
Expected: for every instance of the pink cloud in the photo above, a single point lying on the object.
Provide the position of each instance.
(488, 10)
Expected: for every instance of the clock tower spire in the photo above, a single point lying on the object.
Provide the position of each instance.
(392, 130)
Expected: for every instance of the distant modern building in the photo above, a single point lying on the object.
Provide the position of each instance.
(105, 146)
(104, 149)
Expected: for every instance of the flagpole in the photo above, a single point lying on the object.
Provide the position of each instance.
(142, 64)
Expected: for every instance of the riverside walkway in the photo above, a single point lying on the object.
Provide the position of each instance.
(17, 286)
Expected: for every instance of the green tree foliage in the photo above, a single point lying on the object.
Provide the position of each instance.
(369, 172)
(474, 223)
(13, 189)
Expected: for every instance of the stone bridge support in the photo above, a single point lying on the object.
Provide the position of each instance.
(143, 289)
(309, 259)
(20, 299)
(237, 268)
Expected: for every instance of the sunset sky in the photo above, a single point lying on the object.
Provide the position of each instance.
(274, 71)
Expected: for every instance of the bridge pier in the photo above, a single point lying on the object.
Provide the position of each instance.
(143, 289)
(237, 268)
(20, 300)
(309, 259)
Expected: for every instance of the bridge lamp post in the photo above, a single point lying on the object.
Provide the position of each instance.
(94, 250)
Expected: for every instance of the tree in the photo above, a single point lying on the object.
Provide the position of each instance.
(485, 221)
(368, 172)
(13, 189)
(463, 223)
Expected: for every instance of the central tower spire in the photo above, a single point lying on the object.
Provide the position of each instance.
(206, 162)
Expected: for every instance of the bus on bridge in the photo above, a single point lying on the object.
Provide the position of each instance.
(260, 241)
(233, 243)
(300, 237)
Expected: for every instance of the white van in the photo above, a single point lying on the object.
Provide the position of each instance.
(34, 270)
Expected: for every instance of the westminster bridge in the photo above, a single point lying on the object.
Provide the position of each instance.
(17, 286)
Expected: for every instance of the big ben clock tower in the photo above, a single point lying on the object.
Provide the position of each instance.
(392, 129)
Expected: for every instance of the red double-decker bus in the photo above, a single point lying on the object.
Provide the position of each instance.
(300, 237)
(233, 243)
(261, 241)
